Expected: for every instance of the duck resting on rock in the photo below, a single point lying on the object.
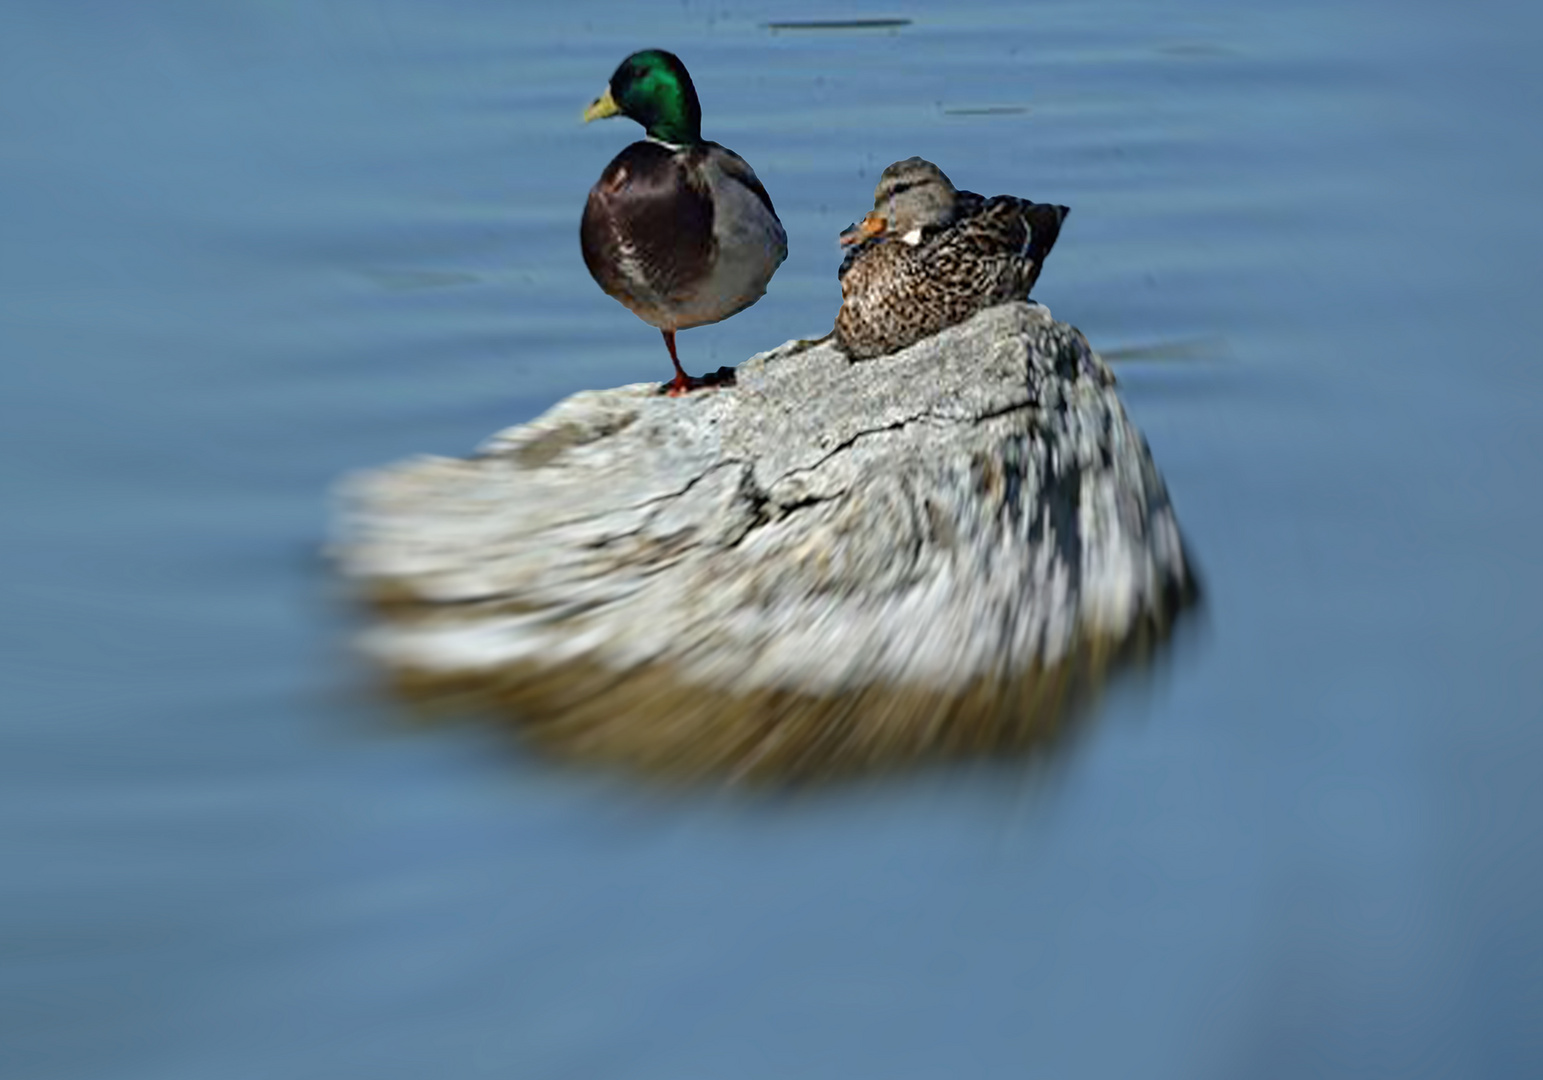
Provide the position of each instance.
(678, 229)
(929, 256)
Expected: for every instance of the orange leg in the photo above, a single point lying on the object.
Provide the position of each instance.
(682, 383)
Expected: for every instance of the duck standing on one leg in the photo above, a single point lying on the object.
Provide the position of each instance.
(677, 229)
(930, 256)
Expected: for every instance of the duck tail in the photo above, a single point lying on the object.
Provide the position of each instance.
(1044, 221)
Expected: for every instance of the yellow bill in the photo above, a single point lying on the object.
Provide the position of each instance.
(603, 106)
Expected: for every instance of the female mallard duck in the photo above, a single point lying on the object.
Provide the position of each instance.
(678, 229)
(930, 256)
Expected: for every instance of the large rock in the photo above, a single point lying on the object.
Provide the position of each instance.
(826, 567)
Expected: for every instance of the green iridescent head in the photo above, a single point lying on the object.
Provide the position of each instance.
(653, 88)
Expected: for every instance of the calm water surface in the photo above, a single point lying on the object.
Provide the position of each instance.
(246, 247)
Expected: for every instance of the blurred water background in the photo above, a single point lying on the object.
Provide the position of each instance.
(248, 246)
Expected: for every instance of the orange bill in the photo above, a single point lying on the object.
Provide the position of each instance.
(870, 226)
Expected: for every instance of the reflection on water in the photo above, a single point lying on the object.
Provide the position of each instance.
(252, 246)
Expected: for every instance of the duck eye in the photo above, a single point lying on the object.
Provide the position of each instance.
(898, 188)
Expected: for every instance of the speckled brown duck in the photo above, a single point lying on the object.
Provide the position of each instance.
(678, 229)
(929, 256)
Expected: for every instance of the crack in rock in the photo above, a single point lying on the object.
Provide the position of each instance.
(952, 531)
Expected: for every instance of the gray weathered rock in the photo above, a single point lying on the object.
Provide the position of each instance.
(827, 567)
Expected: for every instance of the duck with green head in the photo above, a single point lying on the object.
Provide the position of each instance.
(676, 228)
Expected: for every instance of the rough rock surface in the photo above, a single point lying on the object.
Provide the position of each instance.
(826, 567)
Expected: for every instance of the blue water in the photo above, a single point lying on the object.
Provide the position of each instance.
(246, 247)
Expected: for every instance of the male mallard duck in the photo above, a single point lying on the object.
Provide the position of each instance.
(678, 229)
(930, 256)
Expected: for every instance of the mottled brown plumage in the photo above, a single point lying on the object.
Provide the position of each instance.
(930, 256)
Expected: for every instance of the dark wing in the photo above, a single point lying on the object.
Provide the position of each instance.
(647, 233)
(1010, 237)
(738, 169)
(967, 204)
(1044, 225)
